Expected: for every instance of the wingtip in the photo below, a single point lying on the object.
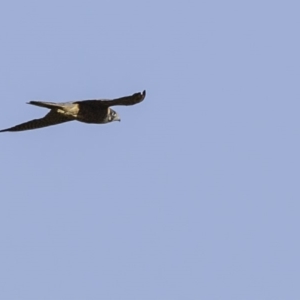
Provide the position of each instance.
(144, 94)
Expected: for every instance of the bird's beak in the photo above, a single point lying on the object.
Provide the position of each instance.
(117, 118)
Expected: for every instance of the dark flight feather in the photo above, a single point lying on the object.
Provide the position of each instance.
(52, 118)
(124, 101)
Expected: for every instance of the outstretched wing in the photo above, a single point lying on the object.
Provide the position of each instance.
(128, 100)
(52, 118)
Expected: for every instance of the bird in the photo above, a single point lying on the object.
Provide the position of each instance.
(96, 111)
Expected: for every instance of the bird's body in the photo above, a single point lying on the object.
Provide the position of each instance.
(87, 111)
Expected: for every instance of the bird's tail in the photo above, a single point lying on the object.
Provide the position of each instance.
(45, 104)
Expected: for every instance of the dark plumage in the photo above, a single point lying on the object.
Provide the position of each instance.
(87, 111)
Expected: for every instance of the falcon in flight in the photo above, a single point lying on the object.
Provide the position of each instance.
(87, 111)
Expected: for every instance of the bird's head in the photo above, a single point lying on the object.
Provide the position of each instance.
(113, 116)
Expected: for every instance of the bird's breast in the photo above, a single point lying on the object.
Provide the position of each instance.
(92, 115)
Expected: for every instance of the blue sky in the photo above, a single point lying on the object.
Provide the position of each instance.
(195, 194)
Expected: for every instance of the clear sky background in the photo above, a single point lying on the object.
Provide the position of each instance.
(195, 194)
